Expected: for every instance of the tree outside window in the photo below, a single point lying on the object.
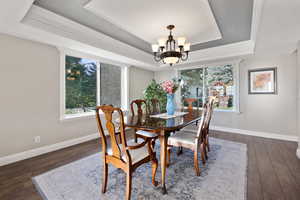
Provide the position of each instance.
(201, 83)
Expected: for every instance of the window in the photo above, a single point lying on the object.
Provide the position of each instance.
(219, 81)
(88, 83)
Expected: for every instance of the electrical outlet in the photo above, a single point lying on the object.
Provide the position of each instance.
(37, 139)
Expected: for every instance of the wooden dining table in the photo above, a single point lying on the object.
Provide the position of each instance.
(163, 127)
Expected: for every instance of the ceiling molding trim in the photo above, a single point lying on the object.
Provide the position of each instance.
(13, 11)
(227, 61)
(217, 53)
(256, 18)
(94, 43)
(47, 27)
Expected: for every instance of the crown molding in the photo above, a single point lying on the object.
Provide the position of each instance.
(47, 27)
(86, 39)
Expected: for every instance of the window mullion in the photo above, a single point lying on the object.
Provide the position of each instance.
(98, 83)
(203, 86)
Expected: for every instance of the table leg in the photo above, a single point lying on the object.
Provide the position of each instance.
(163, 138)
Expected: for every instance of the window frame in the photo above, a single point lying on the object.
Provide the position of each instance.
(124, 83)
(236, 74)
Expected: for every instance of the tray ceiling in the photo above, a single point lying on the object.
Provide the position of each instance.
(148, 19)
(206, 23)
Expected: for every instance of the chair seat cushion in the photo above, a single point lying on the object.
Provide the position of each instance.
(136, 154)
(182, 137)
(146, 134)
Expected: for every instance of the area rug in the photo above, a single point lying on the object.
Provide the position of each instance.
(223, 177)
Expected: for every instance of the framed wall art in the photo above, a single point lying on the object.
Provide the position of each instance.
(262, 81)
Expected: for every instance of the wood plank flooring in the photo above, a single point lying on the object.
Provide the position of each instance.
(273, 169)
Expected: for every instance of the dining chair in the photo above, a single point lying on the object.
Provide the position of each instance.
(126, 155)
(142, 108)
(154, 107)
(190, 140)
(210, 106)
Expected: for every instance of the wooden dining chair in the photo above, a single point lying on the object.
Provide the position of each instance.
(210, 106)
(189, 140)
(126, 155)
(154, 106)
(142, 109)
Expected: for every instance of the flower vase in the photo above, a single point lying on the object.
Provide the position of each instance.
(170, 104)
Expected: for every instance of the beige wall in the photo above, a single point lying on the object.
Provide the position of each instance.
(298, 97)
(263, 113)
(29, 86)
(139, 79)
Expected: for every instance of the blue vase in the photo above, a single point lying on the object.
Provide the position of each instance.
(170, 104)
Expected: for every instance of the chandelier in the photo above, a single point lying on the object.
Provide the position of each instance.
(167, 51)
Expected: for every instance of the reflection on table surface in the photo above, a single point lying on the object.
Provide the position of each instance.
(147, 121)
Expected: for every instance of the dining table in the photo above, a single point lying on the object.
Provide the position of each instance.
(163, 125)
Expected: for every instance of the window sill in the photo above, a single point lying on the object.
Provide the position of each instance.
(71, 117)
(218, 110)
(90, 115)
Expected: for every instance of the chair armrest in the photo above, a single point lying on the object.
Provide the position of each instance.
(146, 134)
(138, 145)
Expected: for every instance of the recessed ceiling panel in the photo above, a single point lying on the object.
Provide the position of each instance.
(148, 19)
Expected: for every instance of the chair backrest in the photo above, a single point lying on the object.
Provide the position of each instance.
(201, 126)
(111, 127)
(155, 106)
(209, 106)
(139, 104)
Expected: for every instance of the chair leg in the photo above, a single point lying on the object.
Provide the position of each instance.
(196, 165)
(104, 183)
(168, 157)
(154, 169)
(202, 153)
(135, 137)
(179, 151)
(207, 144)
(128, 184)
(205, 151)
(153, 144)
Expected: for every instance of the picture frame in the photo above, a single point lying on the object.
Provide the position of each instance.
(262, 81)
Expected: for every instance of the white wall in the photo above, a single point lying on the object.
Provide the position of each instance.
(29, 98)
(262, 113)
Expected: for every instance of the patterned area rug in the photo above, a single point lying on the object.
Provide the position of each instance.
(223, 177)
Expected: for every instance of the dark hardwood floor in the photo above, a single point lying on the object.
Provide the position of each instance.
(273, 168)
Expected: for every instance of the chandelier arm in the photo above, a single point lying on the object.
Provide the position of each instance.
(157, 57)
(185, 56)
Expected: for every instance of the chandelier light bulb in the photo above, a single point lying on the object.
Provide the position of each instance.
(181, 41)
(155, 48)
(187, 47)
(171, 60)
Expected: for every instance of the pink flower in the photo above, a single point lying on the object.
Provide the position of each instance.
(169, 86)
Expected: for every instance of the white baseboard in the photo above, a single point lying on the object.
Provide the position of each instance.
(254, 133)
(53, 147)
(46, 149)
(298, 152)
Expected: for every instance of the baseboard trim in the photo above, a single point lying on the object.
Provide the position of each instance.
(298, 152)
(254, 133)
(45, 149)
(54, 147)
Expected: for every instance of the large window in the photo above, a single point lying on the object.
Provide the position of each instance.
(89, 83)
(218, 81)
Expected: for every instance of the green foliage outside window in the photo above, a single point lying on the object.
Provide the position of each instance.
(209, 81)
(81, 81)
